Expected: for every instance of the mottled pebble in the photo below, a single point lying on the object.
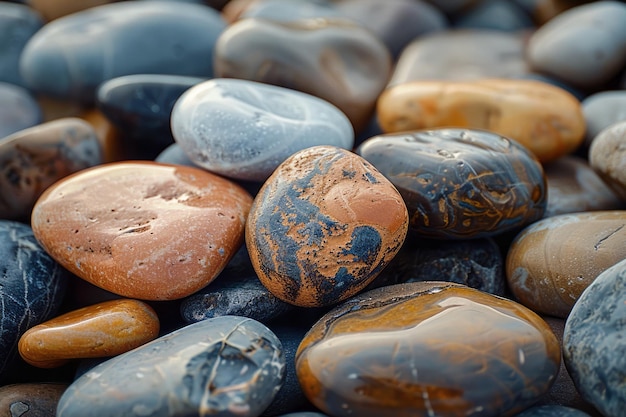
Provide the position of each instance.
(607, 156)
(30, 399)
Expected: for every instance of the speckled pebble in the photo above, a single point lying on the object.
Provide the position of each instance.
(30, 399)
(607, 156)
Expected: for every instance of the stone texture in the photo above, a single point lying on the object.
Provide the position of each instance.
(142, 229)
(495, 15)
(594, 347)
(573, 186)
(323, 226)
(585, 46)
(226, 366)
(545, 119)
(30, 399)
(105, 329)
(53, 9)
(601, 110)
(32, 286)
(69, 57)
(335, 60)
(33, 159)
(290, 11)
(427, 349)
(552, 411)
(607, 157)
(551, 262)
(243, 129)
(18, 109)
(460, 183)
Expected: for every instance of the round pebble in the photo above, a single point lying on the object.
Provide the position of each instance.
(601, 110)
(594, 346)
(142, 229)
(30, 399)
(607, 157)
(427, 349)
(460, 183)
(323, 226)
(18, 109)
(227, 366)
(244, 129)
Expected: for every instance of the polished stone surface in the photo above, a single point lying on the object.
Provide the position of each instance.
(545, 119)
(335, 60)
(323, 226)
(17, 24)
(427, 349)
(33, 159)
(244, 129)
(30, 399)
(32, 286)
(69, 57)
(607, 156)
(601, 110)
(142, 229)
(594, 347)
(551, 262)
(105, 329)
(226, 366)
(460, 183)
(552, 411)
(53, 9)
(18, 109)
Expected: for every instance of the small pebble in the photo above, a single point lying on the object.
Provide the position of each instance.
(495, 15)
(607, 156)
(290, 11)
(601, 110)
(30, 399)
(18, 109)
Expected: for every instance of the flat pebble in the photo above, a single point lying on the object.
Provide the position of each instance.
(18, 109)
(323, 226)
(105, 329)
(460, 183)
(551, 262)
(594, 346)
(142, 229)
(335, 60)
(427, 349)
(32, 286)
(607, 157)
(30, 399)
(545, 119)
(552, 411)
(245, 129)
(601, 110)
(69, 57)
(226, 366)
(585, 46)
(33, 159)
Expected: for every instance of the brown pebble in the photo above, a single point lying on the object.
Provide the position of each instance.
(30, 399)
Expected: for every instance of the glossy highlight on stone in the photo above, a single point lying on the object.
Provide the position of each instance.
(429, 348)
(105, 329)
(323, 226)
(143, 229)
(225, 366)
(460, 183)
(543, 118)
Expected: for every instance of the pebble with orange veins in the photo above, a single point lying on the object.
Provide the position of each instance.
(143, 230)
(545, 119)
(323, 226)
(105, 329)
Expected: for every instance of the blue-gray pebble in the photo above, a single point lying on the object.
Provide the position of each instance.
(70, 56)
(594, 346)
(17, 24)
(32, 286)
(552, 411)
(18, 109)
(244, 129)
(601, 110)
(225, 366)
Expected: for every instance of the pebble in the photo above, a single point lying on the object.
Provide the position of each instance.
(174, 154)
(573, 186)
(594, 347)
(244, 129)
(30, 399)
(18, 109)
(427, 349)
(226, 366)
(290, 11)
(32, 286)
(67, 58)
(53, 9)
(545, 119)
(606, 157)
(140, 106)
(335, 60)
(585, 46)
(33, 159)
(495, 15)
(304, 414)
(105, 224)
(105, 329)
(460, 183)
(552, 411)
(601, 110)
(323, 226)
(551, 262)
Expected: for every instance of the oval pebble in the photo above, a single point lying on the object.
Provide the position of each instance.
(323, 226)
(607, 157)
(18, 109)
(105, 329)
(143, 229)
(460, 183)
(244, 129)
(30, 399)
(226, 366)
(543, 118)
(427, 349)
(602, 110)
(594, 346)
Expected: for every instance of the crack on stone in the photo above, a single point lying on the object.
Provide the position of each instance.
(597, 245)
